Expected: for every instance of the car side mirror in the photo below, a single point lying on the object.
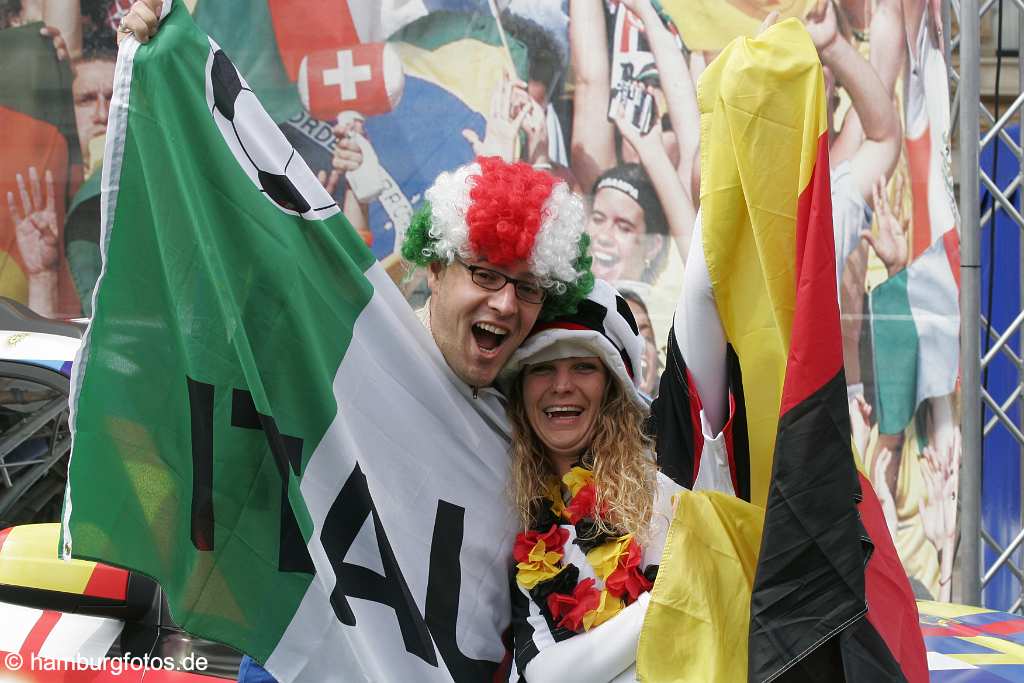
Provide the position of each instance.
(32, 575)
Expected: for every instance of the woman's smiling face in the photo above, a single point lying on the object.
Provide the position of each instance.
(563, 401)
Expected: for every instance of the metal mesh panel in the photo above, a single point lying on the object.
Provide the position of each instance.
(990, 413)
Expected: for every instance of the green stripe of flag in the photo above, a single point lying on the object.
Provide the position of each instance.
(895, 359)
(915, 325)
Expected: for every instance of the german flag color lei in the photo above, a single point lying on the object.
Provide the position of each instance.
(554, 584)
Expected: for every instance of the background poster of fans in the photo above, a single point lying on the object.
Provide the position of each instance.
(380, 96)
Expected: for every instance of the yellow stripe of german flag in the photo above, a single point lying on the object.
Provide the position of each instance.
(754, 170)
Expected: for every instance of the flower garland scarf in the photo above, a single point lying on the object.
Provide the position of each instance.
(554, 584)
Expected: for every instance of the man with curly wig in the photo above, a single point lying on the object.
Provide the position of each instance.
(503, 244)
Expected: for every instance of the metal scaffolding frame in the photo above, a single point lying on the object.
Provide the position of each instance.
(971, 111)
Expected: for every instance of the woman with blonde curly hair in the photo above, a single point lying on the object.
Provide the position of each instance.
(594, 508)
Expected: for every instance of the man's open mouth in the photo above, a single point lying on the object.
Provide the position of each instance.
(489, 337)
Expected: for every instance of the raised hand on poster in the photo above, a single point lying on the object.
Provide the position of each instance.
(880, 483)
(59, 44)
(941, 474)
(142, 21)
(347, 155)
(535, 125)
(821, 24)
(346, 159)
(891, 241)
(35, 229)
(36, 223)
(860, 423)
(645, 144)
(508, 109)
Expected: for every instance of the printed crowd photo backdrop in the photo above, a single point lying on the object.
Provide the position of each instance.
(380, 96)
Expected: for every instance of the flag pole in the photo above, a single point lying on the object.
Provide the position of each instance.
(501, 34)
(512, 73)
(969, 554)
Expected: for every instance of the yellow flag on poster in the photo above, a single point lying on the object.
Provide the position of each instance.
(711, 24)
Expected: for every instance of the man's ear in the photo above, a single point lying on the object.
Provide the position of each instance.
(435, 271)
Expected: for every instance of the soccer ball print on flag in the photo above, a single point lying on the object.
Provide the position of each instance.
(246, 358)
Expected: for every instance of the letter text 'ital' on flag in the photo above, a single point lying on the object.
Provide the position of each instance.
(260, 421)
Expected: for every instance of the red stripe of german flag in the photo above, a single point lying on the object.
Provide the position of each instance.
(765, 188)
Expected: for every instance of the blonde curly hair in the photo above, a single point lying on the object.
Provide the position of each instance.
(624, 473)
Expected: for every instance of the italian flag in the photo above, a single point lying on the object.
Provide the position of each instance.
(806, 579)
(260, 422)
(915, 332)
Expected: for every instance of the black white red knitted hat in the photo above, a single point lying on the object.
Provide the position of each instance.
(603, 325)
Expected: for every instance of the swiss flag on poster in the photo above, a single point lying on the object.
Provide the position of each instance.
(344, 79)
(304, 27)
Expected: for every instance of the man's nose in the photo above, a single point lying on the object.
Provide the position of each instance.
(102, 109)
(599, 233)
(504, 301)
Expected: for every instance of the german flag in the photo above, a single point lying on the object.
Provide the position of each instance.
(829, 600)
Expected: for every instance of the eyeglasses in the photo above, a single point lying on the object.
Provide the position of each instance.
(526, 290)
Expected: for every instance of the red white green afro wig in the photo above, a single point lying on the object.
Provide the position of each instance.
(506, 212)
